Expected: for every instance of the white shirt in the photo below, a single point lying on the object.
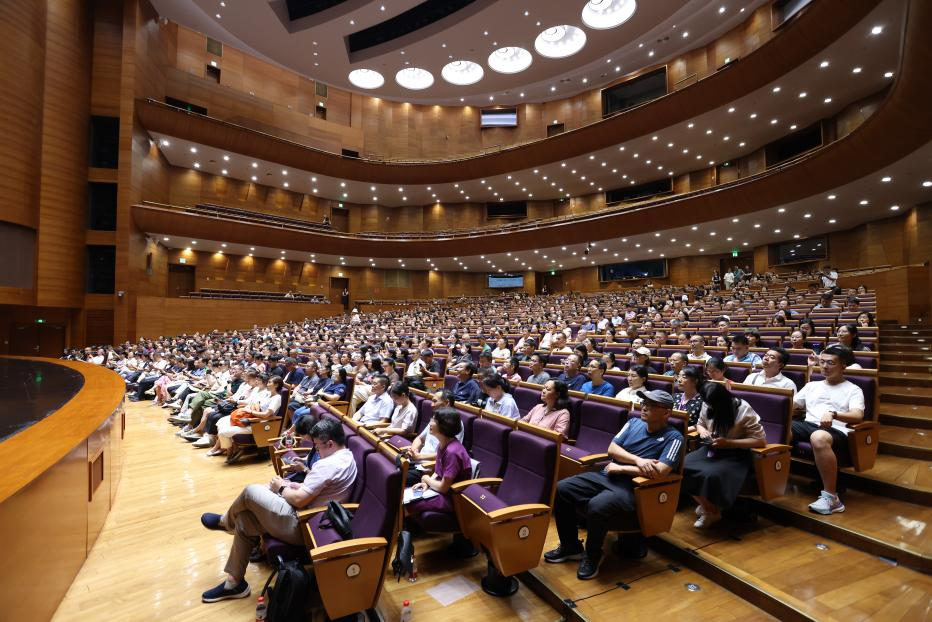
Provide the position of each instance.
(759, 379)
(700, 357)
(416, 368)
(629, 395)
(376, 408)
(505, 407)
(331, 478)
(830, 278)
(403, 417)
(501, 353)
(819, 397)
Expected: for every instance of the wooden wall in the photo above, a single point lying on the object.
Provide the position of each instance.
(173, 316)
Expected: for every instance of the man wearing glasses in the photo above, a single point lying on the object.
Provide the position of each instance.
(646, 447)
(830, 405)
(273, 509)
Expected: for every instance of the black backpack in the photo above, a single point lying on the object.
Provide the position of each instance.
(287, 599)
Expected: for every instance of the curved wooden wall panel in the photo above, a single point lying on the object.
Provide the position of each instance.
(821, 24)
(22, 48)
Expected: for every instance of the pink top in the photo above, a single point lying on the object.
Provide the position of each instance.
(556, 420)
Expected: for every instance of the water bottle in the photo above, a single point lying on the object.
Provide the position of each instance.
(406, 611)
(262, 609)
(413, 576)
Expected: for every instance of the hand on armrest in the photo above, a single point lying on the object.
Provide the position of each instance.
(657, 481)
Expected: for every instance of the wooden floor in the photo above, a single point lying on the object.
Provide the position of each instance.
(153, 558)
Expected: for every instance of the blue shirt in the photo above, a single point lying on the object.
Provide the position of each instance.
(603, 389)
(468, 392)
(750, 357)
(575, 383)
(665, 445)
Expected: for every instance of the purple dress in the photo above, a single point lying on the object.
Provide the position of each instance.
(454, 462)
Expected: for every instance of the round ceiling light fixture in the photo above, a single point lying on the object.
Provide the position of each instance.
(366, 78)
(510, 60)
(414, 78)
(462, 72)
(605, 14)
(560, 41)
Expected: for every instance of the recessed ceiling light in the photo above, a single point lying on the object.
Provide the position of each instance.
(776, 89)
(782, 210)
(757, 225)
(832, 221)
(197, 165)
(366, 78)
(856, 70)
(690, 125)
(414, 78)
(605, 14)
(732, 109)
(823, 64)
(223, 171)
(753, 115)
(876, 30)
(802, 94)
(926, 184)
(887, 179)
(894, 208)
(807, 215)
(165, 142)
(827, 100)
(193, 149)
(832, 197)
(888, 74)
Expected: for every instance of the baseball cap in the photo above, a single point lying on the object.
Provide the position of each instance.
(643, 350)
(657, 396)
(427, 352)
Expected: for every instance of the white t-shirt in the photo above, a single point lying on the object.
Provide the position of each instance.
(403, 417)
(758, 379)
(830, 278)
(819, 397)
(629, 395)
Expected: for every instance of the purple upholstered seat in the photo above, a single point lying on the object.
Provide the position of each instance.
(738, 374)
(361, 448)
(618, 382)
(867, 362)
(467, 419)
(598, 424)
(663, 385)
(528, 476)
(774, 411)
(449, 382)
(490, 446)
(797, 376)
(868, 386)
(526, 399)
(557, 359)
(524, 371)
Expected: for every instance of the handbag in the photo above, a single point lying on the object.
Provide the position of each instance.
(338, 517)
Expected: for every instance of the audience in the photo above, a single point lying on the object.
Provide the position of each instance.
(553, 411)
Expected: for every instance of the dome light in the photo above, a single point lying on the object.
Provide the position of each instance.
(462, 72)
(560, 41)
(510, 60)
(366, 78)
(414, 78)
(605, 14)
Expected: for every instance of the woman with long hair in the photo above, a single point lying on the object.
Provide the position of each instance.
(553, 411)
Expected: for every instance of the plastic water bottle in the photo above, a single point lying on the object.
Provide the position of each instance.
(413, 576)
(262, 609)
(406, 611)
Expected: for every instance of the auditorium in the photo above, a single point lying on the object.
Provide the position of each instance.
(457, 310)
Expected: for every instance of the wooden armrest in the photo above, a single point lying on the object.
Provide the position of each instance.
(593, 458)
(429, 465)
(770, 449)
(864, 425)
(308, 513)
(643, 482)
(519, 511)
(570, 441)
(285, 450)
(377, 425)
(347, 547)
(481, 481)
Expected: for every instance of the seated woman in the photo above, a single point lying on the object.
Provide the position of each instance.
(336, 389)
(714, 474)
(715, 370)
(866, 319)
(424, 446)
(637, 378)
(404, 416)
(553, 411)
(687, 395)
(499, 400)
(453, 465)
(847, 335)
(263, 405)
(509, 370)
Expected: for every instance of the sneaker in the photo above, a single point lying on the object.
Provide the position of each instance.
(184, 431)
(560, 554)
(204, 442)
(180, 418)
(827, 503)
(699, 510)
(221, 593)
(192, 435)
(707, 519)
(588, 568)
(211, 520)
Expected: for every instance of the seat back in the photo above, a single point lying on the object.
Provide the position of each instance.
(526, 398)
(425, 413)
(798, 374)
(599, 422)
(618, 380)
(380, 499)
(490, 446)
(449, 382)
(467, 419)
(531, 469)
(361, 449)
(737, 371)
(283, 407)
(773, 405)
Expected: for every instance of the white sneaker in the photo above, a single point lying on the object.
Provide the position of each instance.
(180, 418)
(827, 503)
(699, 510)
(183, 431)
(204, 442)
(707, 519)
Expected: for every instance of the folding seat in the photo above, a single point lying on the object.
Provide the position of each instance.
(863, 439)
(867, 360)
(771, 463)
(262, 431)
(618, 380)
(510, 523)
(657, 381)
(556, 359)
(737, 371)
(524, 371)
(450, 381)
(799, 374)
(350, 573)
(599, 420)
(526, 397)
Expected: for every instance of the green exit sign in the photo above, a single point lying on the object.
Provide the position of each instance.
(40, 321)
(182, 260)
(553, 273)
(734, 252)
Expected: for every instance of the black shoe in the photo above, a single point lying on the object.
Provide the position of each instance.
(212, 521)
(562, 554)
(220, 593)
(257, 555)
(588, 568)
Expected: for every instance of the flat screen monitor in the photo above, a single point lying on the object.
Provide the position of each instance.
(505, 281)
(499, 117)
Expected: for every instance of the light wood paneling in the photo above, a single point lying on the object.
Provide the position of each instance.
(22, 48)
(60, 251)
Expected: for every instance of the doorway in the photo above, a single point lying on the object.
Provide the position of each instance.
(180, 281)
(37, 340)
(339, 291)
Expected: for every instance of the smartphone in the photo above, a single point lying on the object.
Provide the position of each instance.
(417, 493)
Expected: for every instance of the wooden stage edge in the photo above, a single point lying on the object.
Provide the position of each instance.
(59, 479)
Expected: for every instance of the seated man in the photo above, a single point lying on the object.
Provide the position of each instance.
(273, 509)
(559, 344)
(538, 375)
(677, 363)
(740, 352)
(775, 359)
(379, 405)
(597, 384)
(571, 376)
(830, 405)
(466, 389)
(646, 447)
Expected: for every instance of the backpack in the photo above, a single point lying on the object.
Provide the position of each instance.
(286, 600)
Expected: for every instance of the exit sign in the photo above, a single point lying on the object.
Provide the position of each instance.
(734, 252)
(182, 260)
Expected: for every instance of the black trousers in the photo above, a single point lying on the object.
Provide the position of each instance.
(606, 502)
(212, 420)
(144, 385)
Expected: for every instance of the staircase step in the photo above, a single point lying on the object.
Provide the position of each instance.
(904, 379)
(899, 346)
(896, 477)
(912, 395)
(906, 415)
(905, 355)
(890, 363)
(906, 442)
(912, 332)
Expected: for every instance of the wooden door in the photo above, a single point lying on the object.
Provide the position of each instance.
(24, 340)
(52, 340)
(337, 287)
(180, 281)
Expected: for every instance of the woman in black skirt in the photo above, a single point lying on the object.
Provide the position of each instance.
(714, 474)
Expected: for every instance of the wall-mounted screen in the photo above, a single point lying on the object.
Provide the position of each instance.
(504, 281)
(499, 117)
(810, 249)
(651, 268)
(506, 209)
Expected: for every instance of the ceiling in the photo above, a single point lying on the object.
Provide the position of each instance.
(856, 65)
(316, 46)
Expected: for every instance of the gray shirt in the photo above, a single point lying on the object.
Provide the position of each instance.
(540, 378)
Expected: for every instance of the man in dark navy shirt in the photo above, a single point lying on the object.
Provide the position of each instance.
(467, 390)
(646, 447)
